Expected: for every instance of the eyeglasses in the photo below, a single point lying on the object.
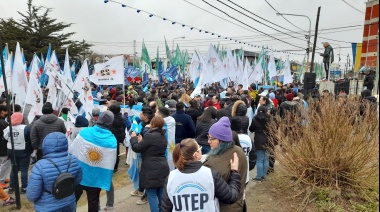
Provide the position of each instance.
(211, 138)
(198, 150)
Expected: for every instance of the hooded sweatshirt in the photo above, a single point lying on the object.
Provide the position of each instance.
(48, 123)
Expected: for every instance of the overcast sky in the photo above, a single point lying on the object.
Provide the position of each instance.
(112, 28)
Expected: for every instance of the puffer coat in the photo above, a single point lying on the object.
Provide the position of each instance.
(44, 173)
(240, 110)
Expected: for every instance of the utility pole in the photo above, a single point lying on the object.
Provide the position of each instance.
(315, 41)
(84, 51)
(134, 53)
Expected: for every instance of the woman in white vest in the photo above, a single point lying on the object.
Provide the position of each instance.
(23, 149)
(193, 187)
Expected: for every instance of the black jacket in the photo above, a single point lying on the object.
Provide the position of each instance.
(239, 110)
(154, 166)
(225, 192)
(194, 114)
(368, 81)
(288, 106)
(118, 128)
(3, 141)
(202, 132)
(184, 126)
(259, 126)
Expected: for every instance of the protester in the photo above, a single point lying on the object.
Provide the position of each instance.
(154, 166)
(95, 115)
(118, 130)
(189, 170)
(55, 161)
(239, 110)
(80, 123)
(170, 134)
(259, 126)
(99, 145)
(22, 150)
(368, 80)
(222, 147)
(328, 58)
(193, 111)
(185, 127)
(204, 122)
(5, 163)
(48, 123)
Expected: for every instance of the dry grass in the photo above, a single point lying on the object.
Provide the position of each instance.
(335, 149)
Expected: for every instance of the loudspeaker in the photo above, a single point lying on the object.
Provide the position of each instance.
(309, 80)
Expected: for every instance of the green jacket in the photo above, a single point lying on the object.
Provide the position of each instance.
(326, 55)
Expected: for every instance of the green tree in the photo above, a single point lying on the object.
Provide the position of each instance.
(36, 29)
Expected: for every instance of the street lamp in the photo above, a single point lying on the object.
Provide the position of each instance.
(183, 37)
(308, 39)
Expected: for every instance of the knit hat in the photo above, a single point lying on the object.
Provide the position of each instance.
(95, 112)
(81, 121)
(221, 130)
(105, 119)
(47, 108)
(289, 97)
(272, 96)
(16, 118)
(235, 124)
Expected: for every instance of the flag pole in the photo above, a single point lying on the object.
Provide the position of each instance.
(14, 163)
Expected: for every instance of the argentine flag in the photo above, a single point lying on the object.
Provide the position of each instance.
(95, 148)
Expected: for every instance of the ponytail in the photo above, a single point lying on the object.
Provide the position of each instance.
(183, 152)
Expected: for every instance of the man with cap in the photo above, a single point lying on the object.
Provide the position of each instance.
(48, 123)
(96, 139)
(328, 57)
(94, 118)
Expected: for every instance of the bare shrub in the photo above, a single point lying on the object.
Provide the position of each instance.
(329, 146)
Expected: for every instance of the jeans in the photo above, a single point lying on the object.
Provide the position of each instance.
(262, 163)
(154, 196)
(23, 166)
(92, 196)
(110, 197)
(69, 208)
(117, 157)
(205, 149)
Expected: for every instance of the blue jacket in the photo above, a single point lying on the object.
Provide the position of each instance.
(44, 173)
(184, 126)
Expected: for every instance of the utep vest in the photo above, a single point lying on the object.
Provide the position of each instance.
(246, 145)
(18, 137)
(192, 192)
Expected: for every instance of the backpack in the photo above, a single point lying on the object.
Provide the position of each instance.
(64, 184)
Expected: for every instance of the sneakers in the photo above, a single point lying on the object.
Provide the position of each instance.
(10, 201)
(11, 190)
(257, 179)
(109, 209)
(142, 201)
(137, 193)
(23, 191)
(4, 185)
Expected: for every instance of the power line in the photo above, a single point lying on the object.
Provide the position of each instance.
(251, 26)
(259, 16)
(284, 17)
(353, 7)
(254, 19)
(218, 16)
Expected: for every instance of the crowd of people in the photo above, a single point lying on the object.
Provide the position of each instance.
(184, 153)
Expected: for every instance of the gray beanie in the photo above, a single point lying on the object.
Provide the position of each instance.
(105, 119)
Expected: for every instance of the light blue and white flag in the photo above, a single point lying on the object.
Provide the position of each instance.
(95, 149)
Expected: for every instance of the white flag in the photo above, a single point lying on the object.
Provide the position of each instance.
(110, 72)
(19, 81)
(82, 86)
(258, 72)
(34, 94)
(67, 95)
(202, 70)
(215, 70)
(194, 67)
(272, 66)
(8, 73)
(287, 73)
(247, 71)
